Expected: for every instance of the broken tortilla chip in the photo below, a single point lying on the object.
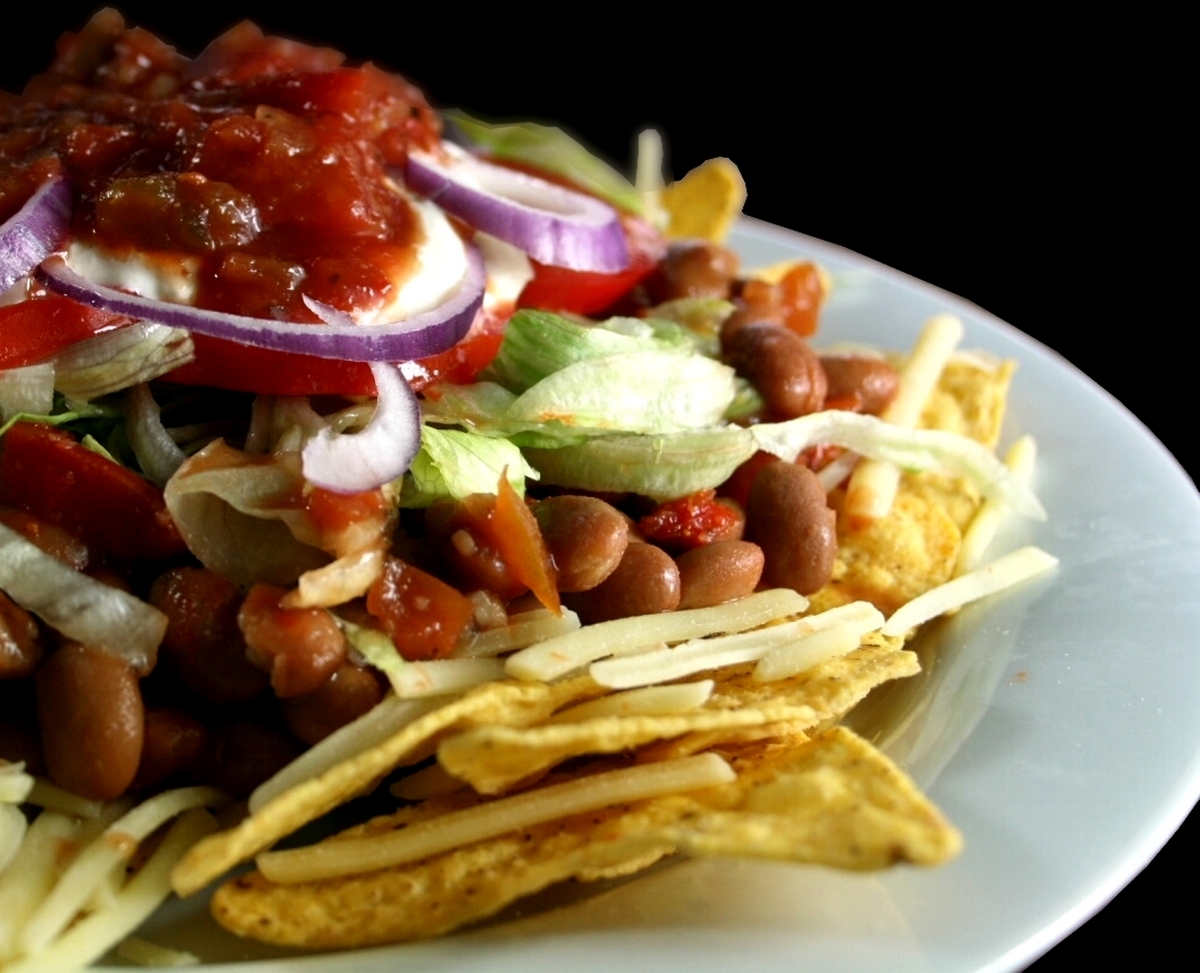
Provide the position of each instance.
(510, 702)
(834, 800)
(705, 202)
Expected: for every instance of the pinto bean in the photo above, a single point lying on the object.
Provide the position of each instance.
(645, 582)
(92, 721)
(781, 365)
(245, 753)
(693, 268)
(585, 536)
(345, 696)
(299, 647)
(719, 572)
(203, 647)
(20, 640)
(173, 741)
(794, 302)
(869, 383)
(788, 517)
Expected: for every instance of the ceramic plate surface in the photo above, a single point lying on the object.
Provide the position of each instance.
(1058, 727)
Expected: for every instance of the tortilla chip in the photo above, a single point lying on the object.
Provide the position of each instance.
(493, 759)
(835, 800)
(504, 703)
(830, 689)
(705, 202)
(892, 560)
(970, 398)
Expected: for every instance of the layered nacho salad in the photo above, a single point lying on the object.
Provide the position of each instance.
(350, 448)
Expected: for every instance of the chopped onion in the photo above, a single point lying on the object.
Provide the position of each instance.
(80, 607)
(30, 235)
(417, 336)
(377, 454)
(553, 224)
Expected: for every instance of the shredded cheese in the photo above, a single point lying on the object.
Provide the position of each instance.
(349, 856)
(872, 487)
(1004, 572)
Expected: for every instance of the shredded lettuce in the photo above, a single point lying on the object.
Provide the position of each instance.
(453, 463)
(537, 344)
(551, 150)
(660, 467)
(909, 449)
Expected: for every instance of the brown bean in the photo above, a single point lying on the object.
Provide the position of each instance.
(870, 383)
(173, 740)
(343, 697)
(20, 641)
(693, 268)
(716, 573)
(91, 719)
(645, 582)
(781, 366)
(788, 516)
(585, 536)
(203, 647)
(243, 754)
(299, 647)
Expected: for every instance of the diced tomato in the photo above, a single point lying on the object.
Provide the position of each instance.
(522, 547)
(334, 512)
(47, 472)
(692, 521)
(34, 330)
(583, 292)
(423, 616)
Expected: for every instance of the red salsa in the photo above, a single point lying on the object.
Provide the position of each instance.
(262, 161)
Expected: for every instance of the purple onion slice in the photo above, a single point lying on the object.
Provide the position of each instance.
(554, 225)
(31, 234)
(378, 453)
(417, 336)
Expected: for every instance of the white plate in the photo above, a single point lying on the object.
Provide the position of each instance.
(1058, 727)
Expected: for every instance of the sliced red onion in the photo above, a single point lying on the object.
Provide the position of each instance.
(377, 454)
(553, 224)
(31, 234)
(417, 336)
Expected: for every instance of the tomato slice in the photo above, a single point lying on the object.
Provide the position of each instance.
(228, 365)
(34, 330)
(107, 506)
(584, 292)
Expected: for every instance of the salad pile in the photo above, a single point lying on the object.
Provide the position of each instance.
(310, 396)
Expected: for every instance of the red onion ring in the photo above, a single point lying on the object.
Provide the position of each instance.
(417, 336)
(377, 454)
(31, 234)
(553, 224)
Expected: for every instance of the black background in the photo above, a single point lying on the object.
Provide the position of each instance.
(1016, 165)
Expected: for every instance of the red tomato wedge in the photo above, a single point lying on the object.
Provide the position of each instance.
(107, 506)
(583, 292)
(34, 330)
(228, 365)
